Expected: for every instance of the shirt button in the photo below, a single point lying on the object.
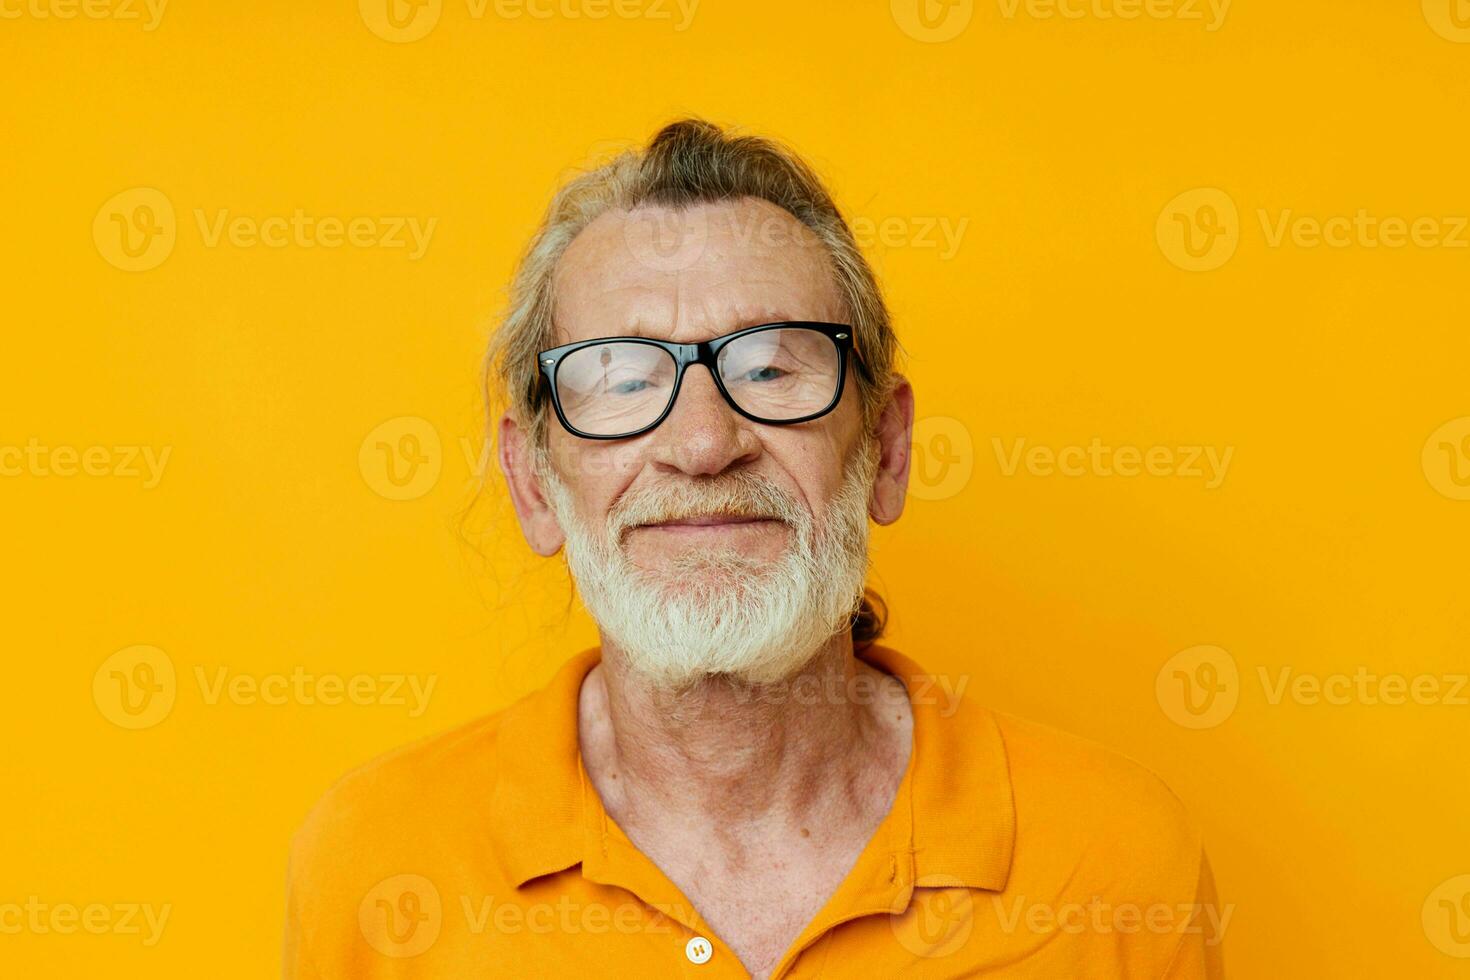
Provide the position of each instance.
(699, 950)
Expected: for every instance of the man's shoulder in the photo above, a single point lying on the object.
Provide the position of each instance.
(408, 779)
(1091, 806)
(1048, 760)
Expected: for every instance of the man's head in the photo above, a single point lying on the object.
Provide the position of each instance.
(712, 543)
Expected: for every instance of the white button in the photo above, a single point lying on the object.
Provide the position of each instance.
(699, 950)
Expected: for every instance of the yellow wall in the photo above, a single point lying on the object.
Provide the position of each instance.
(1063, 156)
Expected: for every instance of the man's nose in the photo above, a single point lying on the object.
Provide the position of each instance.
(703, 434)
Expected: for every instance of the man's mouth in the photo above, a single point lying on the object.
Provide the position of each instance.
(710, 522)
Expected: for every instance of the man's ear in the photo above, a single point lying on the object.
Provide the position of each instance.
(895, 438)
(517, 462)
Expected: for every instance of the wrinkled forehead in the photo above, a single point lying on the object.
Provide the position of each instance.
(692, 273)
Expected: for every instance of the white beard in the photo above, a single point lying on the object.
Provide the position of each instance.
(715, 611)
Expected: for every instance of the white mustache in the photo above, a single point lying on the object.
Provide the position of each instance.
(743, 496)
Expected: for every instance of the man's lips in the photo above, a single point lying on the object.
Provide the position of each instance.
(711, 522)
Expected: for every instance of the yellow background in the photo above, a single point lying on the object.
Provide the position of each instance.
(1335, 540)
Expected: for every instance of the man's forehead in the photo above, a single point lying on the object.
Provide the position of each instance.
(710, 267)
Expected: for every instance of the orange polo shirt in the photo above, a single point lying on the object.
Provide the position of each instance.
(1011, 850)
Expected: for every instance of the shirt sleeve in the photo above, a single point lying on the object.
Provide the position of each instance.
(296, 963)
(1199, 955)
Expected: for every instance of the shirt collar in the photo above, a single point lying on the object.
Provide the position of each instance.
(953, 820)
(964, 812)
(536, 808)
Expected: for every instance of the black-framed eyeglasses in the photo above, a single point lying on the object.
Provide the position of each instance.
(775, 373)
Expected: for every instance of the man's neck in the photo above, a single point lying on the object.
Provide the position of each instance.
(754, 801)
(826, 746)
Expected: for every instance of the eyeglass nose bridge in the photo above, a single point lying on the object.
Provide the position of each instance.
(701, 353)
(688, 355)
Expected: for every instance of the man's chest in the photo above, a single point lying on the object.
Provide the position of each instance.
(759, 904)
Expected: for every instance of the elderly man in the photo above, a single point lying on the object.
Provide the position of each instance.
(703, 414)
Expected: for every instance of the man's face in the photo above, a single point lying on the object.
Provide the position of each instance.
(744, 540)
